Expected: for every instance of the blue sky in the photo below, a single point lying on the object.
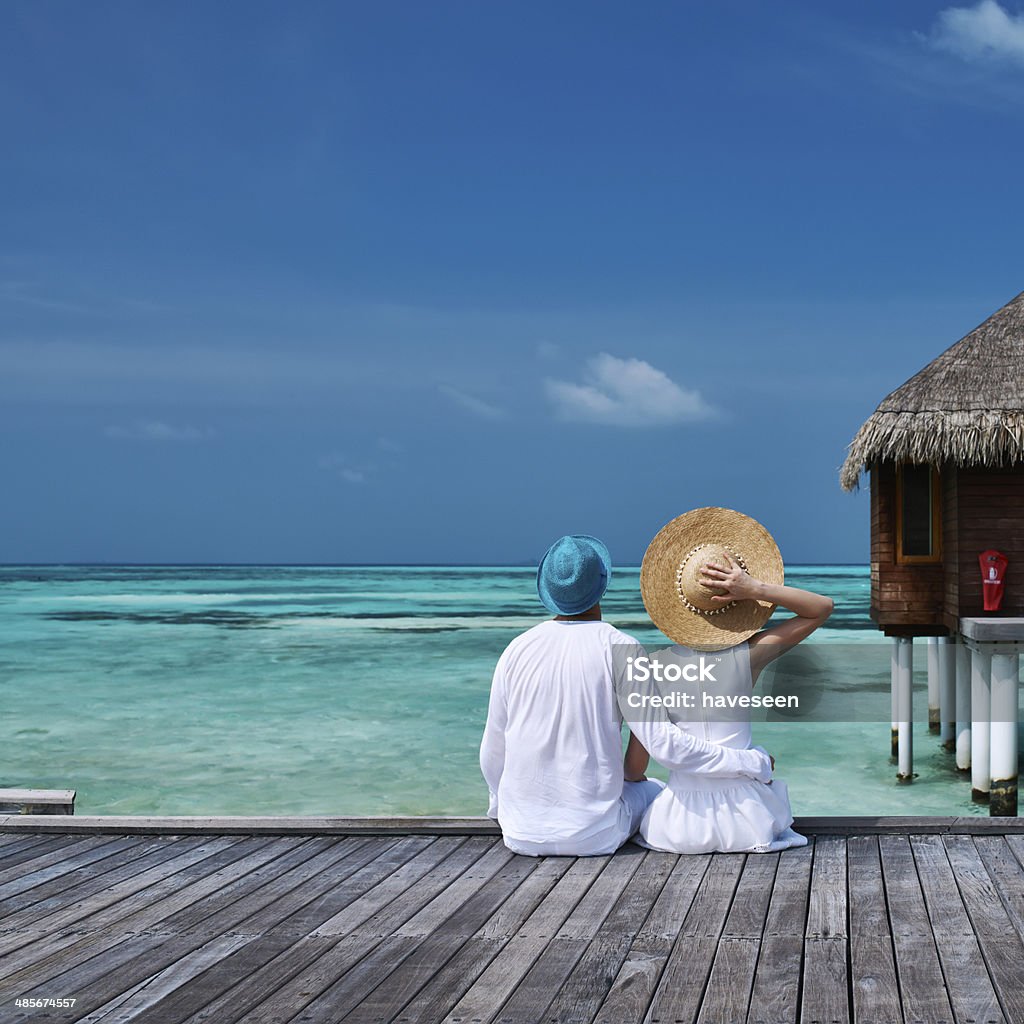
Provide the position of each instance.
(338, 282)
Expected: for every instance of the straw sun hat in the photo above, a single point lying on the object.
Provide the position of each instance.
(676, 599)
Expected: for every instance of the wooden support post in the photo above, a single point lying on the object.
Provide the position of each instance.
(933, 684)
(894, 672)
(981, 722)
(947, 693)
(1003, 802)
(963, 705)
(905, 708)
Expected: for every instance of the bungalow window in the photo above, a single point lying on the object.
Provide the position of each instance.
(918, 509)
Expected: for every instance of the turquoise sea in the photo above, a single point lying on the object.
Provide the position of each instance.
(344, 690)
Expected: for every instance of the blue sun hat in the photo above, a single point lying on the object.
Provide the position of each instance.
(573, 575)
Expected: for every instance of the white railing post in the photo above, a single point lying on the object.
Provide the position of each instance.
(963, 705)
(933, 684)
(894, 673)
(905, 709)
(947, 692)
(981, 721)
(1003, 801)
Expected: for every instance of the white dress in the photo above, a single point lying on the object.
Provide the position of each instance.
(703, 813)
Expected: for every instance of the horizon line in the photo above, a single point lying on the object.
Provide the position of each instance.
(336, 565)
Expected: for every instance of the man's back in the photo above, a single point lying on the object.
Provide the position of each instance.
(552, 750)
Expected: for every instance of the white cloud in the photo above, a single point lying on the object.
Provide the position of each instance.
(983, 32)
(548, 350)
(386, 444)
(626, 393)
(155, 430)
(472, 404)
(342, 465)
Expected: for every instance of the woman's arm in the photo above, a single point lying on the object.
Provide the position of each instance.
(636, 760)
(670, 745)
(811, 610)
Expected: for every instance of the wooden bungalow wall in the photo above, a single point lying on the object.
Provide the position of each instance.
(906, 600)
(982, 508)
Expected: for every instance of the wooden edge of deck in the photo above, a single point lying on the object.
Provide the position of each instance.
(385, 826)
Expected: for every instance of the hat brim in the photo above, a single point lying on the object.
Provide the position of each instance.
(588, 602)
(675, 540)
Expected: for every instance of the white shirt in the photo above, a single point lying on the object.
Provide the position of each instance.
(552, 747)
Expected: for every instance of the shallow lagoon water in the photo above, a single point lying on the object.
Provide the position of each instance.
(349, 690)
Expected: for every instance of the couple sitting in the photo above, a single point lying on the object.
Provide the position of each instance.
(552, 747)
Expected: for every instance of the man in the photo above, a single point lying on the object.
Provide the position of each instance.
(552, 747)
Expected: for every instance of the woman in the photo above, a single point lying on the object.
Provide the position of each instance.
(710, 580)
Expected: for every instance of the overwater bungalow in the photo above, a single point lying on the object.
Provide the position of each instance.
(944, 453)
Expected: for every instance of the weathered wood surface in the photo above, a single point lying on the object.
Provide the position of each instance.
(1001, 629)
(872, 926)
(37, 801)
(126, 825)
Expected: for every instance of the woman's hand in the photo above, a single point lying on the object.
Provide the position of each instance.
(733, 580)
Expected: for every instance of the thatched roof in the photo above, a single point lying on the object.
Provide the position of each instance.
(965, 407)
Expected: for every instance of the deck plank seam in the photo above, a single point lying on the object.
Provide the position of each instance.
(1012, 914)
(971, 910)
(115, 914)
(417, 941)
(764, 924)
(78, 872)
(920, 847)
(598, 926)
(664, 960)
(480, 935)
(81, 923)
(132, 942)
(580, 898)
(892, 936)
(524, 968)
(329, 943)
(636, 934)
(717, 937)
(803, 926)
(287, 850)
(462, 940)
(759, 937)
(221, 936)
(217, 994)
(931, 929)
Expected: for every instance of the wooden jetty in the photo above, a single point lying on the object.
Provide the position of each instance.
(888, 921)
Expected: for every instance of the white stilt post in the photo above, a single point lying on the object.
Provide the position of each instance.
(963, 705)
(1003, 801)
(905, 708)
(933, 684)
(981, 722)
(947, 692)
(894, 673)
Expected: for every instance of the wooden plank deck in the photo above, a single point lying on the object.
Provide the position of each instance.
(873, 922)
